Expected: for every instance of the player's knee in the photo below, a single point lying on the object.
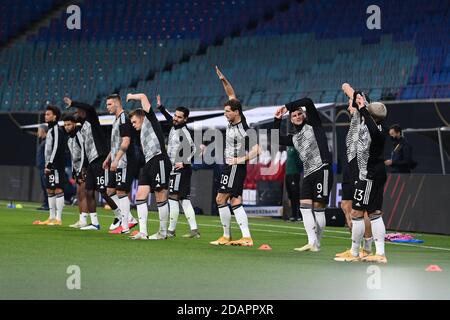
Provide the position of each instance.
(235, 202)
(356, 214)
(319, 205)
(140, 201)
(375, 214)
(121, 193)
(161, 196)
(174, 197)
(220, 200)
(306, 205)
(110, 192)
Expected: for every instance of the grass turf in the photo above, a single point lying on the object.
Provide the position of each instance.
(34, 262)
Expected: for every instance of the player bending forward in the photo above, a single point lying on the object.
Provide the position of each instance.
(311, 143)
(155, 174)
(368, 193)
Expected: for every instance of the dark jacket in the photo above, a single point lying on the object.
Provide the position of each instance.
(40, 155)
(401, 157)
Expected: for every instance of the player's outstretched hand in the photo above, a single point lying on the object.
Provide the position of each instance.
(158, 100)
(219, 73)
(360, 101)
(280, 112)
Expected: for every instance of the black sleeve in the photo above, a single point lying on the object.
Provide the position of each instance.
(370, 123)
(90, 110)
(249, 143)
(125, 128)
(151, 116)
(311, 111)
(156, 127)
(165, 113)
(284, 140)
(407, 156)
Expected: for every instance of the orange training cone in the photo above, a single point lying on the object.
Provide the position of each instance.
(265, 247)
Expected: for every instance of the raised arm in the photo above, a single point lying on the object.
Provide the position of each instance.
(306, 104)
(226, 85)
(348, 90)
(90, 110)
(162, 109)
(284, 140)
(368, 120)
(146, 105)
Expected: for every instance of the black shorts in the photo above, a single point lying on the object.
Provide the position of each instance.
(317, 185)
(180, 182)
(368, 195)
(96, 176)
(232, 180)
(349, 179)
(56, 179)
(156, 173)
(122, 178)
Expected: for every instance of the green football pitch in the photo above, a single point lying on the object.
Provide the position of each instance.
(37, 262)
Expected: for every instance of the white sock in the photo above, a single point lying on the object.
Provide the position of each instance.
(163, 210)
(59, 205)
(309, 224)
(83, 217)
(94, 218)
(225, 218)
(368, 244)
(242, 220)
(124, 205)
(189, 213)
(378, 233)
(117, 212)
(52, 206)
(321, 222)
(174, 213)
(130, 217)
(142, 210)
(358, 229)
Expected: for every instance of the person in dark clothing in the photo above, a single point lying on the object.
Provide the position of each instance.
(401, 156)
(294, 167)
(40, 163)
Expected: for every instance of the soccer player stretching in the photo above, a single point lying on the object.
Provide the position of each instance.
(79, 163)
(351, 172)
(95, 148)
(181, 149)
(121, 164)
(311, 143)
(155, 174)
(235, 171)
(368, 195)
